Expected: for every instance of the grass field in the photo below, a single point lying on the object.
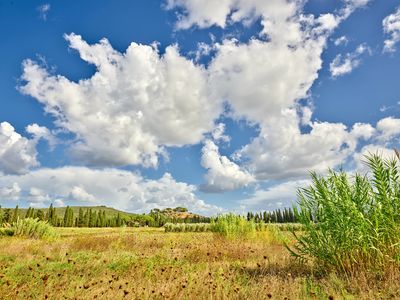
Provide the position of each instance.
(146, 263)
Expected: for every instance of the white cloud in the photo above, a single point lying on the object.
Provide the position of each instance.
(341, 41)
(59, 203)
(78, 193)
(38, 197)
(352, 5)
(342, 65)
(266, 199)
(391, 27)
(306, 115)
(221, 13)
(281, 151)
(222, 174)
(112, 187)
(11, 192)
(43, 11)
(41, 132)
(218, 134)
(363, 131)
(264, 79)
(260, 79)
(388, 128)
(136, 103)
(17, 153)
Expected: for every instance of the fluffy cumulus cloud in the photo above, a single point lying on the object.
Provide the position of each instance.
(117, 188)
(225, 12)
(382, 139)
(11, 192)
(222, 173)
(342, 65)
(281, 151)
(264, 79)
(41, 132)
(79, 193)
(273, 197)
(391, 27)
(139, 102)
(17, 153)
(134, 105)
(388, 128)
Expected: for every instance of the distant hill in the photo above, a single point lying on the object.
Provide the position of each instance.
(60, 211)
(177, 213)
(110, 218)
(173, 213)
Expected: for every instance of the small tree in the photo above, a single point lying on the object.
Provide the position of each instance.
(1, 216)
(39, 214)
(15, 214)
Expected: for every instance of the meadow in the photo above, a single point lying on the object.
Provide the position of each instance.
(149, 263)
(347, 246)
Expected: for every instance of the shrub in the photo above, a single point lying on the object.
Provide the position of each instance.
(6, 232)
(33, 228)
(233, 226)
(351, 223)
(190, 227)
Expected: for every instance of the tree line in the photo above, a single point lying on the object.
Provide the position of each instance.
(286, 215)
(89, 217)
(96, 218)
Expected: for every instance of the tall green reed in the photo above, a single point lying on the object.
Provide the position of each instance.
(233, 226)
(33, 228)
(351, 222)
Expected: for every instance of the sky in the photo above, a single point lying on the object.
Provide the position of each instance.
(214, 105)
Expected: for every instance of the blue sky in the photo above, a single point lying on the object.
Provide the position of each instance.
(213, 105)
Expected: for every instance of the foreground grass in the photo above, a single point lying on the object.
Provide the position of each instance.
(117, 263)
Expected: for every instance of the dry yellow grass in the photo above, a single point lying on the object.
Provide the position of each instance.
(127, 263)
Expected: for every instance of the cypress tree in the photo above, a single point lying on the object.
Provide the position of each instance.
(90, 218)
(66, 217)
(70, 218)
(80, 217)
(98, 219)
(28, 212)
(51, 214)
(118, 221)
(15, 214)
(104, 224)
(40, 215)
(1, 216)
(86, 218)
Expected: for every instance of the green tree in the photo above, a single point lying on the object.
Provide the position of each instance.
(51, 215)
(1, 216)
(68, 217)
(28, 212)
(40, 215)
(15, 214)
(86, 218)
(80, 217)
